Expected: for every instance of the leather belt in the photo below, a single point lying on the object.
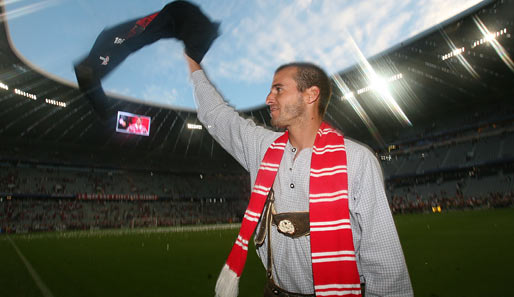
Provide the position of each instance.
(291, 224)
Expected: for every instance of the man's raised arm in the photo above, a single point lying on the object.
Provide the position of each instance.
(240, 137)
(193, 66)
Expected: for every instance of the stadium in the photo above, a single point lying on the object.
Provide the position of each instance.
(88, 211)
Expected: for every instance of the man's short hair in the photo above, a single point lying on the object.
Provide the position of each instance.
(308, 75)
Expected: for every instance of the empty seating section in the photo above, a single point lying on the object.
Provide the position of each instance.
(432, 160)
(409, 165)
(390, 167)
(459, 155)
(507, 147)
(489, 184)
(487, 149)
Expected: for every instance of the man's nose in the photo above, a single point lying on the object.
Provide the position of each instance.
(270, 98)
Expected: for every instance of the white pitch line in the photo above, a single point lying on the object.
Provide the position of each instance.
(41, 285)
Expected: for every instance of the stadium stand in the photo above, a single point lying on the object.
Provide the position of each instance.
(471, 170)
(64, 168)
(32, 214)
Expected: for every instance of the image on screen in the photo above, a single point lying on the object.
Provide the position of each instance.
(133, 123)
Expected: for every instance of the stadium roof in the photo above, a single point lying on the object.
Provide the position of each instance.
(453, 68)
(450, 70)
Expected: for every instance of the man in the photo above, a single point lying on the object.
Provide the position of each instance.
(137, 127)
(352, 239)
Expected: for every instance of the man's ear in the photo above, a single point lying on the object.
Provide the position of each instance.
(312, 94)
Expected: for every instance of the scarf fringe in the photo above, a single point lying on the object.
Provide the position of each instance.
(228, 283)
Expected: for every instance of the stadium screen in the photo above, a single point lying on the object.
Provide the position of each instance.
(133, 123)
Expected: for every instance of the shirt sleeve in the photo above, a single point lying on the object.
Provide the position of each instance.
(240, 137)
(381, 256)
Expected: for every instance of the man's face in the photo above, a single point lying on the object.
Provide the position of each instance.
(284, 100)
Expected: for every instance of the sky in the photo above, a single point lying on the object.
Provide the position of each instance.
(256, 37)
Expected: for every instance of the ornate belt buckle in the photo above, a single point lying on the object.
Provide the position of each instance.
(286, 227)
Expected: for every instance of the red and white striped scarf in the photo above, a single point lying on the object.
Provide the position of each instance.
(333, 255)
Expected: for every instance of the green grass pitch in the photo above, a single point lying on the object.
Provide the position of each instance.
(465, 253)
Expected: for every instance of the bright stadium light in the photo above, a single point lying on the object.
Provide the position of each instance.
(373, 87)
(25, 94)
(55, 102)
(494, 43)
(457, 53)
(4, 86)
(379, 85)
(395, 77)
(194, 126)
(382, 92)
(489, 37)
(364, 90)
(453, 53)
(350, 97)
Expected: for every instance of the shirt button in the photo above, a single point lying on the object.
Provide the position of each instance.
(291, 185)
(293, 149)
(290, 169)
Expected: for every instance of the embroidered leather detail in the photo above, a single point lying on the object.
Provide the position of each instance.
(286, 226)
